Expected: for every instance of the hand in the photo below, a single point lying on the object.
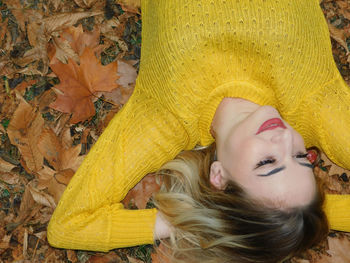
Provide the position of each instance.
(162, 228)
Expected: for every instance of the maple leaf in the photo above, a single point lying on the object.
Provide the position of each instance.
(80, 82)
(72, 43)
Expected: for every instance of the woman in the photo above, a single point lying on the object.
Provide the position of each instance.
(255, 77)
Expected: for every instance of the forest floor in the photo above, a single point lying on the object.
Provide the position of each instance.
(47, 127)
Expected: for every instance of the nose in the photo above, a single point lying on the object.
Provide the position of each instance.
(283, 137)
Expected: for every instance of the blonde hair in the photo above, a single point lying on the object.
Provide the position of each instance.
(229, 226)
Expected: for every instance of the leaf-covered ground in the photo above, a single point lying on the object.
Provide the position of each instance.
(66, 67)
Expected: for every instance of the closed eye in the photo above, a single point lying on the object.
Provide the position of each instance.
(270, 160)
(264, 162)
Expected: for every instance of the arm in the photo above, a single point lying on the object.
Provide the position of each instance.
(333, 136)
(89, 216)
(337, 208)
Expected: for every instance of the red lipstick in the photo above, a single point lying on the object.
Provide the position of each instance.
(271, 124)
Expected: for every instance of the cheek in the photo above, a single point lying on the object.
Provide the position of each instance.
(243, 154)
(298, 140)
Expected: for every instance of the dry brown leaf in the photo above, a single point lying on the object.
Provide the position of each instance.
(132, 6)
(56, 189)
(142, 192)
(10, 178)
(56, 4)
(42, 198)
(161, 256)
(24, 130)
(79, 40)
(45, 173)
(105, 258)
(6, 166)
(339, 249)
(21, 18)
(344, 9)
(72, 42)
(38, 53)
(5, 242)
(127, 81)
(25, 84)
(339, 36)
(13, 4)
(134, 260)
(63, 51)
(59, 156)
(3, 29)
(85, 3)
(64, 176)
(70, 158)
(50, 148)
(72, 256)
(127, 74)
(79, 83)
(63, 20)
(27, 204)
(45, 99)
(36, 34)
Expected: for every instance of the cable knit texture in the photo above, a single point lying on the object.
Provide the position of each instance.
(195, 53)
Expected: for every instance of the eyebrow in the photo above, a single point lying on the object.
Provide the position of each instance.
(276, 170)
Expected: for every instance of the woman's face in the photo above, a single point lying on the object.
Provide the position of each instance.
(266, 156)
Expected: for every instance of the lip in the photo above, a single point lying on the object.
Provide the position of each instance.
(271, 124)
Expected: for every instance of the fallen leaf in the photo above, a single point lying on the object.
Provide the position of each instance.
(344, 9)
(24, 130)
(161, 255)
(57, 154)
(339, 36)
(25, 84)
(5, 242)
(27, 204)
(134, 260)
(6, 166)
(72, 42)
(63, 20)
(339, 249)
(41, 197)
(142, 192)
(64, 176)
(79, 83)
(10, 178)
(127, 78)
(72, 256)
(85, 3)
(131, 5)
(3, 29)
(105, 258)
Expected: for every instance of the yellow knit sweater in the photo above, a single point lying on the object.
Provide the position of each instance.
(195, 53)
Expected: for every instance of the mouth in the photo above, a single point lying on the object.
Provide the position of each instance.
(271, 124)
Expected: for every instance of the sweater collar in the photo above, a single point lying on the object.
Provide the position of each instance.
(235, 89)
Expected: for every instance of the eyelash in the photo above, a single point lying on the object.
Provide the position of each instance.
(272, 160)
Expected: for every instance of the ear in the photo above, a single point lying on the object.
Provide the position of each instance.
(217, 178)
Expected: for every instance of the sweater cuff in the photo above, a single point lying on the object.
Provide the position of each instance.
(136, 227)
(234, 89)
(337, 209)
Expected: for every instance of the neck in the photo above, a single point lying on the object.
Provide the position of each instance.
(230, 112)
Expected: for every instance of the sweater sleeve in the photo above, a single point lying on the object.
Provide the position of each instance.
(331, 132)
(337, 209)
(139, 139)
